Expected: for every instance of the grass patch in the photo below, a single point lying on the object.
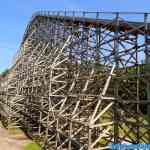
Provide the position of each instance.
(125, 131)
(15, 131)
(32, 146)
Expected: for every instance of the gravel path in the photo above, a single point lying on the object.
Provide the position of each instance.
(8, 142)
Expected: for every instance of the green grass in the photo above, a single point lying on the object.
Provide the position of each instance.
(15, 131)
(124, 129)
(32, 146)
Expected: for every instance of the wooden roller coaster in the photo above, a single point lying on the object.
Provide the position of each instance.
(80, 80)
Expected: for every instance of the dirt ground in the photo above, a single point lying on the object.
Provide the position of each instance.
(11, 142)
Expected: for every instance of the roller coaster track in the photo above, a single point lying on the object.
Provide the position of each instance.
(77, 82)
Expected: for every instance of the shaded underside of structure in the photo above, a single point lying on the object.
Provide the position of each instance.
(81, 82)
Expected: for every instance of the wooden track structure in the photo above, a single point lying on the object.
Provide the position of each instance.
(71, 85)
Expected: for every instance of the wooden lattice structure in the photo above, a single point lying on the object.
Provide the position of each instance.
(77, 81)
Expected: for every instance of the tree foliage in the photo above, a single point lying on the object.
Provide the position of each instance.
(4, 73)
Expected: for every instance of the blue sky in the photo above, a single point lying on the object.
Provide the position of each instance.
(15, 14)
